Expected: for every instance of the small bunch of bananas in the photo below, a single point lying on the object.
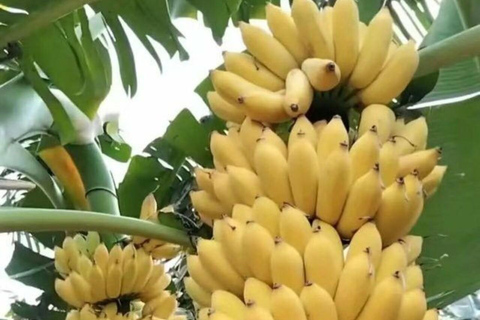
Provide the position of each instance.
(110, 312)
(384, 175)
(248, 272)
(158, 249)
(311, 54)
(93, 275)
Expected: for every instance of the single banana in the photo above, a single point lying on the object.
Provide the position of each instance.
(393, 78)
(101, 257)
(267, 214)
(413, 247)
(345, 35)
(294, 227)
(87, 313)
(374, 50)
(81, 287)
(416, 131)
(92, 242)
(96, 278)
(332, 135)
(431, 314)
(305, 14)
(414, 192)
(433, 180)
(335, 179)
(256, 312)
(380, 116)
(271, 137)
(250, 132)
(72, 252)
(298, 94)
(317, 303)
(166, 308)
(258, 246)
(228, 304)
(224, 109)
(354, 287)
(286, 304)
(272, 169)
(129, 276)
(283, 28)
(225, 150)
(251, 70)
(166, 251)
(365, 153)
(323, 262)
(257, 292)
(223, 191)
(385, 300)
(322, 74)
(144, 270)
(391, 50)
(319, 126)
(264, 106)
(423, 161)
(201, 275)
(389, 162)
(61, 261)
(362, 32)
(303, 174)
(325, 21)
(242, 213)
(403, 146)
(231, 86)
(65, 290)
(81, 243)
(207, 204)
(363, 202)
(414, 305)
(393, 259)
(302, 129)
(267, 50)
(153, 304)
(286, 265)
(216, 263)
(114, 280)
(157, 276)
(330, 232)
(393, 206)
(197, 293)
(413, 278)
(366, 237)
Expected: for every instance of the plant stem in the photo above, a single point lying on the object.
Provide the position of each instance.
(44, 220)
(454, 49)
(36, 20)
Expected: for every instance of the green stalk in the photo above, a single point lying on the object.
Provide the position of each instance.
(36, 20)
(45, 220)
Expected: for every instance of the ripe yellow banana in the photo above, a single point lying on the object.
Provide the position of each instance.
(252, 70)
(207, 204)
(362, 32)
(298, 94)
(268, 135)
(114, 280)
(61, 261)
(431, 314)
(224, 109)
(231, 86)
(242, 213)
(64, 289)
(158, 272)
(330, 232)
(201, 275)
(81, 287)
(258, 246)
(414, 305)
(267, 50)
(380, 116)
(256, 312)
(393, 78)
(303, 174)
(101, 257)
(305, 14)
(223, 191)
(354, 287)
(166, 308)
(264, 106)
(413, 278)
(393, 259)
(294, 227)
(197, 293)
(129, 276)
(325, 21)
(403, 146)
(250, 132)
(319, 126)
(394, 205)
(283, 28)
(374, 50)
(335, 179)
(228, 304)
(414, 192)
(389, 162)
(272, 169)
(216, 263)
(413, 247)
(286, 265)
(416, 131)
(257, 292)
(366, 237)
(423, 161)
(216, 315)
(322, 74)
(433, 180)
(225, 150)
(302, 129)
(385, 300)
(363, 201)
(345, 35)
(87, 313)
(166, 251)
(332, 135)
(286, 304)
(323, 262)
(96, 278)
(391, 50)
(72, 252)
(365, 153)
(144, 270)
(317, 303)
(267, 214)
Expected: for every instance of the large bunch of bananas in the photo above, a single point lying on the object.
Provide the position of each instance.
(311, 54)
(92, 277)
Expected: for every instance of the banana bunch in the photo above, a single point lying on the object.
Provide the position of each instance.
(311, 51)
(110, 312)
(158, 249)
(382, 176)
(246, 272)
(93, 275)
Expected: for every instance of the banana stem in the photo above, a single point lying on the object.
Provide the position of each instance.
(36, 20)
(454, 49)
(45, 220)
